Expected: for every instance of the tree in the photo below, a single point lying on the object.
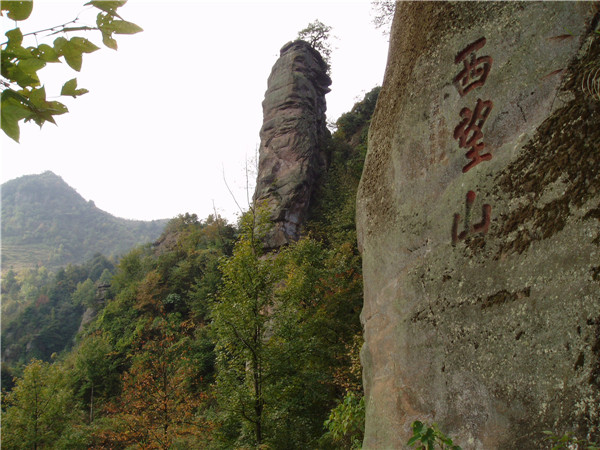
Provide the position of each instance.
(85, 294)
(94, 370)
(158, 407)
(240, 318)
(23, 95)
(317, 34)
(281, 323)
(38, 409)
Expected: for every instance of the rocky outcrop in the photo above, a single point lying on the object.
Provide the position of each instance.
(478, 217)
(292, 153)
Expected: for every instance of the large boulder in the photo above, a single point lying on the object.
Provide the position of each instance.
(292, 154)
(478, 220)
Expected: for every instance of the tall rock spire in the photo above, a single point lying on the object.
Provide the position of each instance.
(292, 153)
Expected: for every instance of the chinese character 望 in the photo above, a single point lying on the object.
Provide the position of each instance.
(469, 133)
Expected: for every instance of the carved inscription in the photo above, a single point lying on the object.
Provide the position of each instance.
(481, 227)
(475, 71)
(469, 131)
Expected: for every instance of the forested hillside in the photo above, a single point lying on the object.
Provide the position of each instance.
(47, 223)
(205, 339)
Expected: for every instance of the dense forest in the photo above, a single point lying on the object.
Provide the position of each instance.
(47, 223)
(201, 338)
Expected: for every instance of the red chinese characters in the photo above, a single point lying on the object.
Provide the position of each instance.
(475, 70)
(469, 133)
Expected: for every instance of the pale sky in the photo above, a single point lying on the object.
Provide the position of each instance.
(180, 103)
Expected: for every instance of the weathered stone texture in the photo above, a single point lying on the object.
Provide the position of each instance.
(292, 153)
(494, 335)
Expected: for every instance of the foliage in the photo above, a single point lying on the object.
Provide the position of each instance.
(158, 405)
(383, 13)
(204, 336)
(38, 409)
(346, 423)
(46, 222)
(282, 324)
(23, 95)
(317, 34)
(334, 209)
(428, 437)
(569, 441)
(50, 310)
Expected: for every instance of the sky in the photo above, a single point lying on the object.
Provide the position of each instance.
(171, 123)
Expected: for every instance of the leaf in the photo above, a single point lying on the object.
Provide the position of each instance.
(15, 38)
(73, 55)
(412, 440)
(22, 78)
(11, 112)
(57, 108)
(59, 44)
(18, 10)
(417, 427)
(123, 27)
(108, 40)
(38, 97)
(31, 65)
(108, 6)
(83, 44)
(69, 88)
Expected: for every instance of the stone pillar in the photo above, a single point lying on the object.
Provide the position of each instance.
(292, 151)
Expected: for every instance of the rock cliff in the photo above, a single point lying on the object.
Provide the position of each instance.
(478, 217)
(292, 153)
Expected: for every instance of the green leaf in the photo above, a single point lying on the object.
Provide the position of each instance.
(38, 97)
(59, 44)
(18, 10)
(108, 40)
(47, 53)
(108, 6)
(73, 55)
(122, 27)
(15, 38)
(11, 112)
(23, 79)
(417, 427)
(58, 108)
(31, 65)
(70, 88)
(412, 440)
(84, 45)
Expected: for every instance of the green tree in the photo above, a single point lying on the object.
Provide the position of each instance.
(23, 95)
(85, 294)
(317, 34)
(38, 410)
(240, 319)
(281, 324)
(94, 370)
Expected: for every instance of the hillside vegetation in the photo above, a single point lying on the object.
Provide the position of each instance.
(47, 223)
(207, 340)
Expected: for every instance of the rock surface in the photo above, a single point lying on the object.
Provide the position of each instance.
(482, 275)
(292, 153)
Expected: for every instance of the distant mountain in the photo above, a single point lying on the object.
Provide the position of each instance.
(46, 222)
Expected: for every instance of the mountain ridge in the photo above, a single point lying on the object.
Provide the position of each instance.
(47, 222)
